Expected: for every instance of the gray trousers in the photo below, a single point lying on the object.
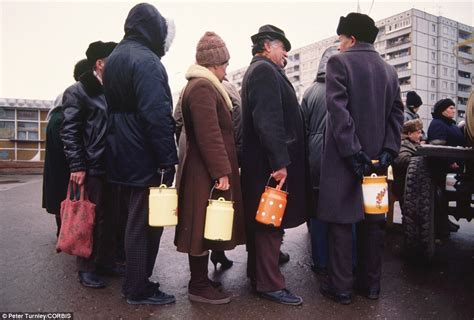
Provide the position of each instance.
(370, 237)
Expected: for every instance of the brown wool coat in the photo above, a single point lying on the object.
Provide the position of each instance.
(207, 153)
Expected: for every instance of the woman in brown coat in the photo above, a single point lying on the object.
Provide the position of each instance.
(210, 159)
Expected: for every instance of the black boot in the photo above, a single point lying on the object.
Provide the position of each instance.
(219, 257)
(58, 225)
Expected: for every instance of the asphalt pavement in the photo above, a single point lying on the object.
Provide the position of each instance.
(34, 278)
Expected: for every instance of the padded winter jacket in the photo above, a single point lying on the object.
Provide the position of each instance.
(140, 136)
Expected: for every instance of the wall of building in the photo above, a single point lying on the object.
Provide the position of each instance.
(23, 129)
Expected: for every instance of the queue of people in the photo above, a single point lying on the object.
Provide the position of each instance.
(119, 133)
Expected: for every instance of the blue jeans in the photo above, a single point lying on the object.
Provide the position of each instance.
(319, 243)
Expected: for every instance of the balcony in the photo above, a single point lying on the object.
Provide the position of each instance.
(464, 35)
(395, 42)
(463, 94)
(464, 81)
(399, 60)
(465, 55)
(406, 73)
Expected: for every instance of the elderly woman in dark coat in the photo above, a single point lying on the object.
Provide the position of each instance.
(444, 131)
(210, 159)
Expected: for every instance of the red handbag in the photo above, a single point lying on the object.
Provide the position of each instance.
(77, 223)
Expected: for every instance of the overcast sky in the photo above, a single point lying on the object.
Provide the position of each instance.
(40, 41)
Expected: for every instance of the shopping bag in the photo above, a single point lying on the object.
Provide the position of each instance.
(77, 223)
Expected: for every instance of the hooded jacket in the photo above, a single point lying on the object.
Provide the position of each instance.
(314, 111)
(140, 136)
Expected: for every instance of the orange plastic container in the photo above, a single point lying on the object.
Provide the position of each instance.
(272, 206)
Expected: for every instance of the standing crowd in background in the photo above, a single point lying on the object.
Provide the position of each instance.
(114, 132)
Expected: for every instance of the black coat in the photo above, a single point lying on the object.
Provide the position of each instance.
(272, 138)
(56, 168)
(314, 111)
(140, 137)
(365, 112)
(84, 125)
(445, 130)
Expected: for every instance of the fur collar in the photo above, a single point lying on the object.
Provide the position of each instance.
(170, 34)
(197, 71)
(91, 84)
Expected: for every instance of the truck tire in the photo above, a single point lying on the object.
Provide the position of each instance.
(418, 211)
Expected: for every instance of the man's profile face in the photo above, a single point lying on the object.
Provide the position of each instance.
(277, 52)
(345, 42)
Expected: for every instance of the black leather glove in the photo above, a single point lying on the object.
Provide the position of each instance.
(385, 158)
(360, 164)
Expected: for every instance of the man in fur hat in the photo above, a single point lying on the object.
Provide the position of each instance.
(412, 132)
(273, 144)
(365, 116)
(83, 137)
(140, 140)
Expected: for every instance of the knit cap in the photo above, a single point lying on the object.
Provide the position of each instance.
(211, 50)
(413, 100)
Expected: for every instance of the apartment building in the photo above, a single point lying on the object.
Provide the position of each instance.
(430, 54)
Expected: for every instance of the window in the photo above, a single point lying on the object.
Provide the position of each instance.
(6, 113)
(451, 86)
(433, 97)
(7, 129)
(433, 55)
(433, 70)
(452, 73)
(444, 85)
(445, 44)
(452, 59)
(27, 115)
(445, 30)
(445, 57)
(445, 71)
(433, 83)
(27, 131)
(433, 27)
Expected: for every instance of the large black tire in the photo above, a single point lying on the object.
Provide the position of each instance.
(418, 210)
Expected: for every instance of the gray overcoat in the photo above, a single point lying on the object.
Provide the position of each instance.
(365, 112)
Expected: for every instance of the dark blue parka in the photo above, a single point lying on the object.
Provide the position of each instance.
(140, 132)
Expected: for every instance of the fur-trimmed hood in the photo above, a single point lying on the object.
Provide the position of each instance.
(145, 24)
(197, 71)
(91, 84)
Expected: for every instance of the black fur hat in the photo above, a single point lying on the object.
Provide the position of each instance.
(413, 100)
(359, 25)
(99, 50)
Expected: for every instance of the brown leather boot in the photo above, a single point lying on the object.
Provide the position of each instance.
(200, 289)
